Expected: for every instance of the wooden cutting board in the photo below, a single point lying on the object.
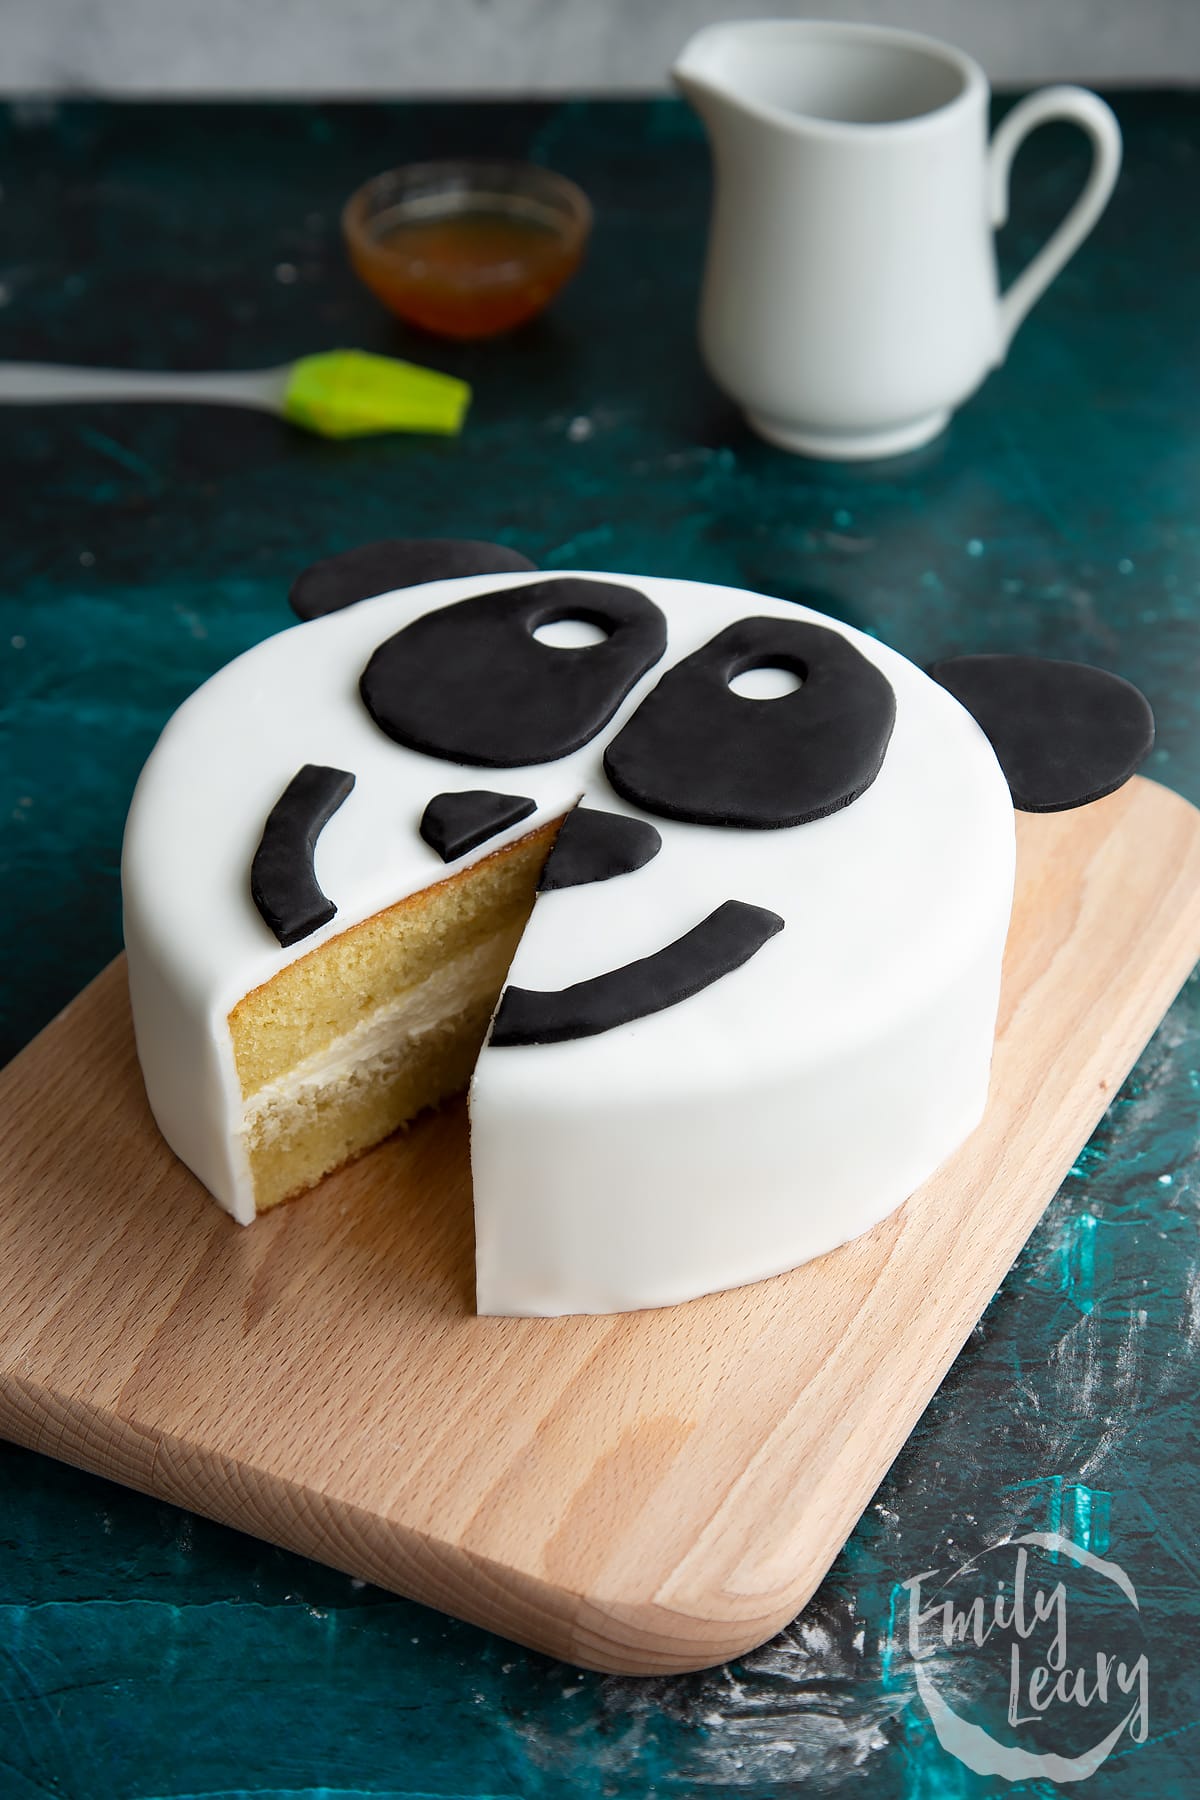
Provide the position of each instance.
(647, 1492)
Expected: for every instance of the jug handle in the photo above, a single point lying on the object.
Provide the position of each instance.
(1090, 112)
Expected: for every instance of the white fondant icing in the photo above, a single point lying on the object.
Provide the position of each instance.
(759, 1123)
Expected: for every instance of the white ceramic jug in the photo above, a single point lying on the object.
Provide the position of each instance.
(850, 298)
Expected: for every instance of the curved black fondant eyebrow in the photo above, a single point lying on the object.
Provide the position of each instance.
(1064, 733)
(697, 751)
(594, 846)
(470, 682)
(453, 824)
(729, 937)
(283, 883)
(371, 569)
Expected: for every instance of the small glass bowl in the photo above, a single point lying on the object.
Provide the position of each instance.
(466, 249)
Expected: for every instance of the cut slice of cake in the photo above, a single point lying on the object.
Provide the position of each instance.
(351, 1041)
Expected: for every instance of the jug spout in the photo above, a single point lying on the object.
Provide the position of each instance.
(735, 70)
(703, 75)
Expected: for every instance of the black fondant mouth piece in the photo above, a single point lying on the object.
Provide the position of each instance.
(596, 846)
(722, 942)
(454, 824)
(1064, 733)
(372, 569)
(283, 882)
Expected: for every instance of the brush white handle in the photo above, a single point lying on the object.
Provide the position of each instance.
(54, 383)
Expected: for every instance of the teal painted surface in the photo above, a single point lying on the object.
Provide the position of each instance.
(144, 1652)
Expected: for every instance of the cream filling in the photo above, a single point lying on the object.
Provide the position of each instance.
(380, 1044)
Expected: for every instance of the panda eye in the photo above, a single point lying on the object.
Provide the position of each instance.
(472, 683)
(699, 751)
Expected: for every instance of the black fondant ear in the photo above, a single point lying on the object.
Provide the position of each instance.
(373, 569)
(1064, 733)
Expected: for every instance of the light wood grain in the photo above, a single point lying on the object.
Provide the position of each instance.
(651, 1492)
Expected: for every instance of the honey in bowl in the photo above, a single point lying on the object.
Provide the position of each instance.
(467, 250)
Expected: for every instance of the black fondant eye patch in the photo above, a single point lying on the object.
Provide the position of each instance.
(1064, 733)
(729, 937)
(471, 683)
(372, 569)
(452, 824)
(696, 751)
(595, 846)
(283, 883)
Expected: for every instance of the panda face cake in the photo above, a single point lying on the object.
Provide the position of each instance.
(733, 958)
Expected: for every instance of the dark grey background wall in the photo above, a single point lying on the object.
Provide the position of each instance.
(532, 46)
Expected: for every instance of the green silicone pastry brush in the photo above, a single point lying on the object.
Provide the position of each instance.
(337, 393)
